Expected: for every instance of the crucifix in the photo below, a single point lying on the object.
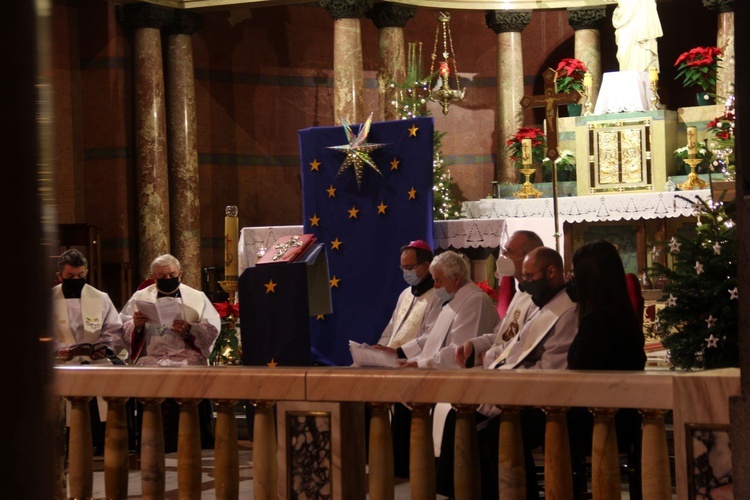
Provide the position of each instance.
(550, 101)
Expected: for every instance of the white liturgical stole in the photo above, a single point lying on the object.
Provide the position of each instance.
(92, 308)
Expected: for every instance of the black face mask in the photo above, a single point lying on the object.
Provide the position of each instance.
(538, 289)
(572, 289)
(168, 286)
(71, 288)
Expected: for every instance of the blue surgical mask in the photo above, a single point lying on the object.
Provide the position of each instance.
(411, 277)
(444, 295)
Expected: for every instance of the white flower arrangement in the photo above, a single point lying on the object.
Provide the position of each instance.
(565, 162)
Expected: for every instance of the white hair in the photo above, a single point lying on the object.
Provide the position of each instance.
(165, 260)
(451, 264)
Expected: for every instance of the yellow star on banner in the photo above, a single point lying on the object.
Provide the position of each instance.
(270, 286)
(314, 220)
(358, 150)
(335, 281)
(335, 244)
(314, 165)
(353, 212)
(382, 207)
(412, 193)
(272, 364)
(394, 164)
(320, 317)
(331, 191)
(413, 130)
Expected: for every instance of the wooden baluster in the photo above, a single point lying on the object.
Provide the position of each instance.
(466, 462)
(422, 453)
(605, 461)
(81, 449)
(226, 452)
(265, 480)
(189, 450)
(511, 467)
(558, 473)
(381, 482)
(655, 475)
(152, 450)
(116, 450)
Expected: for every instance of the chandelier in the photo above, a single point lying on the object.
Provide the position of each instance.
(442, 92)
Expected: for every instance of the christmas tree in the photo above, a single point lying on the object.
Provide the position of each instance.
(699, 324)
(411, 101)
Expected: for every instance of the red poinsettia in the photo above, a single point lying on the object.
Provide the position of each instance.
(698, 67)
(225, 309)
(486, 288)
(538, 145)
(722, 126)
(570, 73)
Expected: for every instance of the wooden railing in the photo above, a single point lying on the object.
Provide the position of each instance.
(694, 398)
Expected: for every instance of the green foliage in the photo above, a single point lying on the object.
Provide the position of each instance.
(699, 325)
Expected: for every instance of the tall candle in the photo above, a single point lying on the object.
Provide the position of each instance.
(692, 140)
(587, 80)
(653, 74)
(231, 232)
(526, 151)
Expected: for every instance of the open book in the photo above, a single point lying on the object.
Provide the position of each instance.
(164, 312)
(366, 355)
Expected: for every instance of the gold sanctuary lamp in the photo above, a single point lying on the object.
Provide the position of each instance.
(693, 181)
(527, 189)
(442, 93)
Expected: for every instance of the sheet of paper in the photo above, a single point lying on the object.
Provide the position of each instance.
(149, 309)
(366, 355)
(164, 312)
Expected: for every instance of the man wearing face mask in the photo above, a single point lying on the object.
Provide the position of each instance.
(483, 350)
(188, 339)
(412, 303)
(87, 326)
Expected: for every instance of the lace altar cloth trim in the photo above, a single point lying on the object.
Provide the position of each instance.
(610, 207)
(624, 91)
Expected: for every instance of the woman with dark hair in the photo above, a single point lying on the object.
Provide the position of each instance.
(609, 334)
(609, 337)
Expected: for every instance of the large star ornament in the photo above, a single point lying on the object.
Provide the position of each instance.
(358, 150)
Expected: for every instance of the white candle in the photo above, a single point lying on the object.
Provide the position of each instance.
(692, 140)
(653, 74)
(587, 80)
(231, 232)
(526, 151)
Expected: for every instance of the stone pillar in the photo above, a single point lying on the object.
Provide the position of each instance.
(348, 79)
(586, 23)
(150, 130)
(508, 25)
(725, 41)
(390, 20)
(184, 200)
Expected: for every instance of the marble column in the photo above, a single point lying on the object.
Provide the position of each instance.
(725, 41)
(390, 20)
(184, 200)
(587, 23)
(150, 131)
(508, 25)
(348, 78)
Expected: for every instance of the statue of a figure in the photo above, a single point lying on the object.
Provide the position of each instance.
(637, 27)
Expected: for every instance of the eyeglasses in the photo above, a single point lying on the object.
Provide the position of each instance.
(505, 251)
(411, 267)
(530, 277)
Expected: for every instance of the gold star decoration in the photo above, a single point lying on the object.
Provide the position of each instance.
(335, 281)
(353, 212)
(335, 244)
(320, 317)
(331, 191)
(412, 193)
(382, 207)
(272, 364)
(394, 164)
(314, 165)
(270, 286)
(413, 130)
(314, 220)
(358, 150)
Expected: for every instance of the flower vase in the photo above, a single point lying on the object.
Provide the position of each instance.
(575, 109)
(704, 99)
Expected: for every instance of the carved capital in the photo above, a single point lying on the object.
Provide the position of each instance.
(504, 21)
(390, 15)
(347, 9)
(185, 22)
(144, 15)
(587, 19)
(720, 5)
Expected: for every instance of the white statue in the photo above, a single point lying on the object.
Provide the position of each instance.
(637, 27)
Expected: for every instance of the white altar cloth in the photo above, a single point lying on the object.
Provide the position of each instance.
(624, 91)
(460, 233)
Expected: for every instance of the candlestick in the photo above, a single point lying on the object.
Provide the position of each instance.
(526, 151)
(653, 74)
(231, 232)
(692, 140)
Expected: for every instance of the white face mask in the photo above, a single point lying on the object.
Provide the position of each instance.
(444, 295)
(504, 267)
(411, 277)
